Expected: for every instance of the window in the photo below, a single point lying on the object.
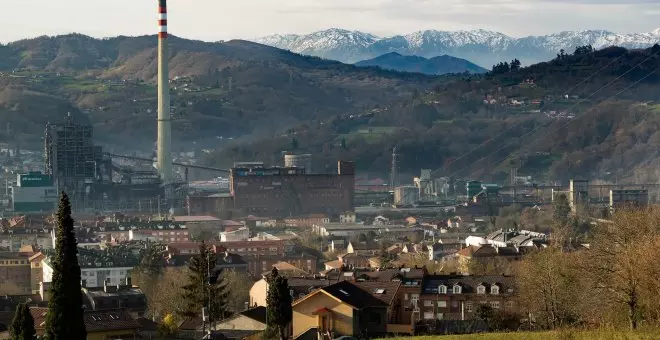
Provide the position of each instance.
(428, 303)
(428, 315)
(481, 289)
(457, 289)
(442, 304)
(509, 305)
(375, 318)
(495, 304)
(468, 306)
(414, 297)
(439, 316)
(442, 289)
(405, 296)
(454, 304)
(495, 289)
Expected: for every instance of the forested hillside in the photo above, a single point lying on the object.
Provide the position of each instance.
(591, 113)
(219, 90)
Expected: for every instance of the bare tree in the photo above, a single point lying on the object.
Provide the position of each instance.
(617, 260)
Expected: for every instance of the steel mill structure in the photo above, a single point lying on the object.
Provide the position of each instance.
(164, 157)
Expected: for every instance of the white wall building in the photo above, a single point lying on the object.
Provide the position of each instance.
(94, 276)
(240, 234)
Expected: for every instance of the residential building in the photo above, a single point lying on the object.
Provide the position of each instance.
(439, 250)
(253, 319)
(257, 264)
(347, 217)
(264, 248)
(337, 244)
(355, 260)
(341, 309)
(166, 232)
(123, 296)
(99, 267)
(100, 325)
(12, 239)
(299, 287)
(344, 230)
(240, 234)
(363, 248)
(15, 273)
(451, 297)
(288, 270)
(306, 221)
(202, 222)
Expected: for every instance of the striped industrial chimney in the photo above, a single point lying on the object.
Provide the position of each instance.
(164, 116)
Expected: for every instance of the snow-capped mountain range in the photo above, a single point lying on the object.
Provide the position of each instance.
(479, 46)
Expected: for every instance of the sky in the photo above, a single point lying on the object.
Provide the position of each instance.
(214, 20)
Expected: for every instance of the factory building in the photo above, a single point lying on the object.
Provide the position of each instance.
(34, 192)
(406, 195)
(630, 198)
(89, 176)
(281, 192)
(72, 159)
(299, 161)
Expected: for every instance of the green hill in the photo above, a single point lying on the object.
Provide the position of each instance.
(224, 89)
(590, 114)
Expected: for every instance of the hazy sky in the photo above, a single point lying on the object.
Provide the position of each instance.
(225, 19)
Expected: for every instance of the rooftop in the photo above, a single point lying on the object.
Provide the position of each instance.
(353, 295)
(196, 219)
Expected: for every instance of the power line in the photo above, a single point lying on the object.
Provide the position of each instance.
(569, 121)
(572, 107)
(517, 125)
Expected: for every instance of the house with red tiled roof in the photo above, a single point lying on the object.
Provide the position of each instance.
(100, 325)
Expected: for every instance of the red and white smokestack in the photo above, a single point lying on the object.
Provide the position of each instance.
(162, 19)
(164, 117)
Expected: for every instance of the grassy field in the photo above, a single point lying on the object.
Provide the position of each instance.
(555, 335)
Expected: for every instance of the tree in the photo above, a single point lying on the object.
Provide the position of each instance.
(386, 258)
(561, 210)
(515, 65)
(549, 287)
(278, 300)
(238, 284)
(149, 274)
(168, 326)
(205, 287)
(65, 319)
(617, 261)
(22, 327)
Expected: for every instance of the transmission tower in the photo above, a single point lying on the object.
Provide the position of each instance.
(393, 170)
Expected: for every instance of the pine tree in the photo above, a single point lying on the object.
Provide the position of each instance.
(65, 319)
(278, 300)
(22, 327)
(204, 286)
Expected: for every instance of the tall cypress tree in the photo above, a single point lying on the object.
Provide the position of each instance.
(22, 327)
(278, 299)
(65, 319)
(205, 287)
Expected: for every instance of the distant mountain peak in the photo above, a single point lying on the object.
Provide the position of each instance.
(484, 47)
(411, 63)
